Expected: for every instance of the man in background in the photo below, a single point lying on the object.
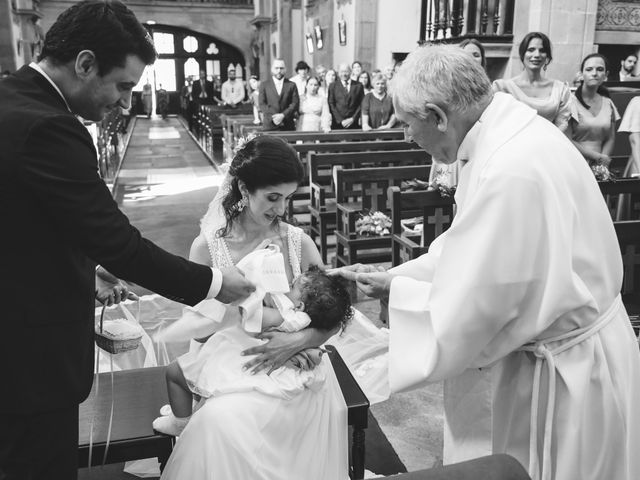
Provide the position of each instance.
(278, 99)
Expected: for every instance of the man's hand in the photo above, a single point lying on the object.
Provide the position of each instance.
(110, 290)
(277, 118)
(347, 122)
(234, 286)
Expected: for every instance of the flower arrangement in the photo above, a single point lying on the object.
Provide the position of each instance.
(242, 141)
(442, 183)
(602, 173)
(372, 224)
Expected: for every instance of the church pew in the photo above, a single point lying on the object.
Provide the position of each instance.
(299, 203)
(360, 191)
(340, 135)
(322, 205)
(622, 197)
(436, 211)
(628, 233)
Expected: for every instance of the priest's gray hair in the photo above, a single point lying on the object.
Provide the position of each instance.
(445, 75)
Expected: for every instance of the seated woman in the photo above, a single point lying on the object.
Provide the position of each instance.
(315, 300)
(377, 106)
(314, 109)
(249, 434)
(550, 98)
(593, 114)
(631, 123)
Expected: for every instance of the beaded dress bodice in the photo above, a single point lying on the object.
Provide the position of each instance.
(221, 256)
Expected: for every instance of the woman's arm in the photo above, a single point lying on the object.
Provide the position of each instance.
(390, 123)
(608, 144)
(199, 252)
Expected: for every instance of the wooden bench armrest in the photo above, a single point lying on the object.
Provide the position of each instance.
(346, 216)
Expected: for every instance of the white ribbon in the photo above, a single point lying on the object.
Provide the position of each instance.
(543, 353)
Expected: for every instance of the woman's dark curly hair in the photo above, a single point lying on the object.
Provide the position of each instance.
(265, 161)
(326, 300)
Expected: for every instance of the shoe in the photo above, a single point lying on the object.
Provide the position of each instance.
(170, 425)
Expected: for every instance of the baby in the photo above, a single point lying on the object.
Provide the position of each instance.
(315, 300)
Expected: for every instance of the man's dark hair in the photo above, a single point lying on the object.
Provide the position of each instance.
(106, 27)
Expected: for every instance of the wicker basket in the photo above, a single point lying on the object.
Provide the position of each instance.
(105, 341)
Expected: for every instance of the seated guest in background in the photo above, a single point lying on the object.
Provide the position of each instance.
(345, 99)
(356, 70)
(550, 98)
(377, 106)
(475, 48)
(300, 78)
(278, 99)
(365, 80)
(314, 109)
(329, 77)
(631, 123)
(516, 307)
(592, 126)
(625, 74)
(232, 91)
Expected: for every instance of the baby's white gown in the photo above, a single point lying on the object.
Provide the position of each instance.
(250, 434)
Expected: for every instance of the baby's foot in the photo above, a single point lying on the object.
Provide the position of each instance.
(166, 410)
(170, 424)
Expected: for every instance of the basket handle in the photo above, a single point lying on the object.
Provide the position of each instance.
(102, 316)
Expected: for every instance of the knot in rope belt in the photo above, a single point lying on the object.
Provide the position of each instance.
(544, 353)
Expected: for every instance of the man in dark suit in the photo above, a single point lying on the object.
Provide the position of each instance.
(345, 99)
(59, 220)
(202, 90)
(278, 99)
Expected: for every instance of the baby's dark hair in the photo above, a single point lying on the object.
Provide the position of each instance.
(326, 300)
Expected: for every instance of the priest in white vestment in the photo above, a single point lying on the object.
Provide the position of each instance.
(516, 307)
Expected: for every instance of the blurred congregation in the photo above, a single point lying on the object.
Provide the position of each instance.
(370, 139)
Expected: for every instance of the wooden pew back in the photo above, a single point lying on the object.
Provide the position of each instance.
(436, 211)
(622, 197)
(339, 135)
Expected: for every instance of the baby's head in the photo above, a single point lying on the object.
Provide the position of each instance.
(326, 299)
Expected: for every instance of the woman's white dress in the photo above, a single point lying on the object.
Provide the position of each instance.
(248, 434)
(314, 114)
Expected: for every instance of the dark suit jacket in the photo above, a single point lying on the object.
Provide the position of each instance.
(343, 105)
(59, 219)
(196, 90)
(271, 103)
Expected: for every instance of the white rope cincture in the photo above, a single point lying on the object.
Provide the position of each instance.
(545, 354)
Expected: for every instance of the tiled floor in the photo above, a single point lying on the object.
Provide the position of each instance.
(165, 186)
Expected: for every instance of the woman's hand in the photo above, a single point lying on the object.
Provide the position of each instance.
(110, 290)
(604, 160)
(280, 347)
(307, 359)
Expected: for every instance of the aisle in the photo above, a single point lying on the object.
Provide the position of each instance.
(165, 183)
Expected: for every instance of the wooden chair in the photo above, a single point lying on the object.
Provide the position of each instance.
(363, 190)
(322, 205)
(298, 209)
(622, 197)
(628, 233)
(436, 211)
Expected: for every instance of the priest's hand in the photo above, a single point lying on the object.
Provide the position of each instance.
(234, 286)
(350, 272)
(374, 284)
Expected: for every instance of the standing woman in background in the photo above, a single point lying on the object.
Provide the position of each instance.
(592, 126)
(475, 48)
(631, 123)
(365, 80)
(329, 77)
(314, 109)
(549, 97)
(377, 106)
(147, 98)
